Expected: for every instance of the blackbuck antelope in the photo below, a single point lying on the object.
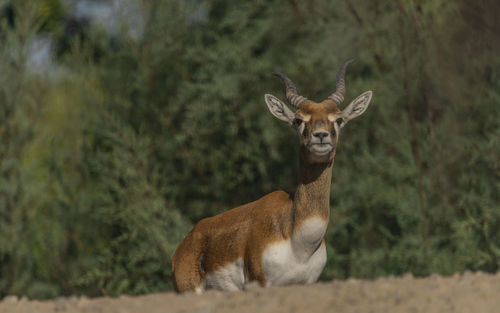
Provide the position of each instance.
(278, 239)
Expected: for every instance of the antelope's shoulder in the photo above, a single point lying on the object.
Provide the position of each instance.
(241, 216)
(276, 200)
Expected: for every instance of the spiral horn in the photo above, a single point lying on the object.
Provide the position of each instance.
(291, 92)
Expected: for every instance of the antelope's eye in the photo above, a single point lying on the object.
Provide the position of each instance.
(297, 121)
(339, 121)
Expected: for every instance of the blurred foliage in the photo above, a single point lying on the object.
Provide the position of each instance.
(109, 157)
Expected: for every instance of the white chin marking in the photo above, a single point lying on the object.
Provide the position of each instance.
(320, 150)
(318, 153)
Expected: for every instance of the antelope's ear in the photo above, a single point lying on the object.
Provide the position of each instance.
(356, 107)
(279, 109)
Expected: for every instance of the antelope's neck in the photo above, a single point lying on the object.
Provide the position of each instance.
(312, 197)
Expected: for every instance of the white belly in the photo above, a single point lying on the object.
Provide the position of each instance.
(283, 267)
(230, 277)
(299, 260)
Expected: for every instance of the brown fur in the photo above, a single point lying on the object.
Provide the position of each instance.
(237, 233)
(245, 231)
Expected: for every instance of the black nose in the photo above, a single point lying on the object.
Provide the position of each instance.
(320, 134)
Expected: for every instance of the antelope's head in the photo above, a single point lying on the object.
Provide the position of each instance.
(318, 124)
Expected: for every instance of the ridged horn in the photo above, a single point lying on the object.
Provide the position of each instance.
(291, 92)
(339, 94)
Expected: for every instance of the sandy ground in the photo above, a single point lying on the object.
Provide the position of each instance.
(470, 292)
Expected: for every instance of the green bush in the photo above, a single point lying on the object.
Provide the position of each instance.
(107, 160)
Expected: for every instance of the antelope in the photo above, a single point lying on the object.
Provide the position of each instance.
(279, 238)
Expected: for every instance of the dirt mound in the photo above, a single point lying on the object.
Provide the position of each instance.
(471, 292)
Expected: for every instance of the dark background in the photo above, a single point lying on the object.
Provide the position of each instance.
(122, 123)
